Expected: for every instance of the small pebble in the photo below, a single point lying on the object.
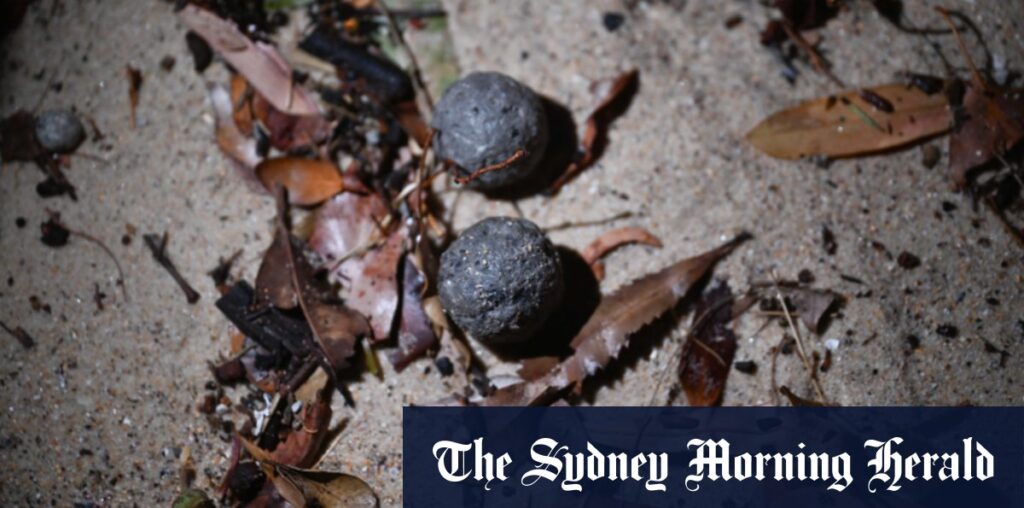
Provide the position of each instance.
(746, 367)
(805, 276)
(612, 21)
(444, 366)
(59, 131)
(908, 261)
(947, 330)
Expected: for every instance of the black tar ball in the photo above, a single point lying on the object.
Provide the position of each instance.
(484, 119)
(500, 280)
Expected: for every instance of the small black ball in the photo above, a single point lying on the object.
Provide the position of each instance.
(500, 280)
(484, 119)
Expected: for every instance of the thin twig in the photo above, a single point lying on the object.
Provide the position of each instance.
(710, 351)
(816, 59)
(493, 167)
(975, 74)
(580, 224)
(774, 381)
(799, 343)
(87, 237)
(400, 38)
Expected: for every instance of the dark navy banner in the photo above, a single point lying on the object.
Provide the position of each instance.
(720, 457)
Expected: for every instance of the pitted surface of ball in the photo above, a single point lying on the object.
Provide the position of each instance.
(484, 119)
(59, 131)
(500, 280)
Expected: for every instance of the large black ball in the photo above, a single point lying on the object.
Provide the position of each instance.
(500, 280)
(484, 119)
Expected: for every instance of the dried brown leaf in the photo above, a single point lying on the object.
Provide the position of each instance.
(415, 333)
(811, 304)
(846, 125)
(309, 182)
(260, 63)
(302, 448)
(335, 327)
(274, 278)
(347, 232)
(289, 132)
(306, 488)
(616, 318)
(991, 122)
(707, 355)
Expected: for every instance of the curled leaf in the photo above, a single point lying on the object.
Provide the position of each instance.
(612, 240)
(302, 448)
(306, 488)
(616, 95)
(309, 182)
(259, 62)
(847, 125)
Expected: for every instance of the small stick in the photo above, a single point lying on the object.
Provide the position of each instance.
(775, 358)
(975, 74)
(89, 238)
(581, 224)
(799, 343)
(816, 60)
(416, 74)
(158, 246)
(493, 167)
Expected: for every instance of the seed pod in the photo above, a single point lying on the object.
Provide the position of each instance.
(500, 280)
(483, 120)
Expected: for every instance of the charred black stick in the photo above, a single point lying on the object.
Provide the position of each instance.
(158, 246)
